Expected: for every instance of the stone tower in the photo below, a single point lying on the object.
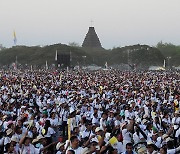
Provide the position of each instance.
(91, 40)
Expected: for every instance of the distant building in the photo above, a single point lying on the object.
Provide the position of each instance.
(91, 40)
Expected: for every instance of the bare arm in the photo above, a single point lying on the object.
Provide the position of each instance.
(48, 146)
(22, 139)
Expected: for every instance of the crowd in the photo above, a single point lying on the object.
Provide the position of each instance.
(81, 112)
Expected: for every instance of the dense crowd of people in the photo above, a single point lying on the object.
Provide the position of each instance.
(81, 112)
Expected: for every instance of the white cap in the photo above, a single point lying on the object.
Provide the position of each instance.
(9, 131)
(14, 138)
(164, 136)
(150, 143)
(169, 139)
(23, 107)
(144, 121)
(177, 112)
(97, 129)
(108, 135)
(38, 138)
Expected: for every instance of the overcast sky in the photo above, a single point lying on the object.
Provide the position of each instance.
(117, 22)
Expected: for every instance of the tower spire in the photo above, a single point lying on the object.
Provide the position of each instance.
(91, 40)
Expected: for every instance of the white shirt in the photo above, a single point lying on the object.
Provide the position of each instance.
(27, 149)
(171, 151)
(77, 151)
(126, 135)
(50, 132)
(102, 123)
(54, 122)
(176, 121)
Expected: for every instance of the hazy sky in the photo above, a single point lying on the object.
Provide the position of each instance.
(117, 22)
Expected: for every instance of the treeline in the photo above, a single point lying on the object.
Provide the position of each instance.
(170, 52)
(143, 55)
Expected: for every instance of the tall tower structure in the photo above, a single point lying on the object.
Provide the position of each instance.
(91, 40)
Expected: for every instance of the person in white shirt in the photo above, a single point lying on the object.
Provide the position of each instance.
(25, 145)
(151, 148)
(129, 149)
(60, 148)
(74, 145)
(117, 122)
(126, 133)
(88, 131)
(176, 125)
(95, 119)
(170, 147)
(103, 121)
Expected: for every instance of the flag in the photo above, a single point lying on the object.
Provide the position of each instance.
(70, 56)
(15, 39)
(14, 66)
(164, 65)
(106, 65)
(31, 68)
(56, 56)
(46, 65)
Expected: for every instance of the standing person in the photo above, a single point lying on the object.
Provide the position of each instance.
(26, 146)
(127, 133)
(176, 124)
(54, 124)
(65, 114)
(48, 133)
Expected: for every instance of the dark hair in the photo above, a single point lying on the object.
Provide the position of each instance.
(164, 148)
(72, 151)
(73, 138)
(7, 146)
(47, 125)
(129, 144)
(170, 144)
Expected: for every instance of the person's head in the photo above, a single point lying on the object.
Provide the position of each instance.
(74, 142)
(154, 136)
(47, 123)
(60, 146)
(53, 115)
(170, 144)
(156, 120)
(83, 120)
(43, 141)
(111, 114)
(20, 123)
(104, 116)
(27, 141)
(70, 152)
(99, 131)
(94, 144)
(89, 108)
(88, 126)
(129, 148)
(95, 110)
(163, 150)
(177, 114)
(161, 132)
(76, 130)
(137, 108)
(150, 147)
(9, 147)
